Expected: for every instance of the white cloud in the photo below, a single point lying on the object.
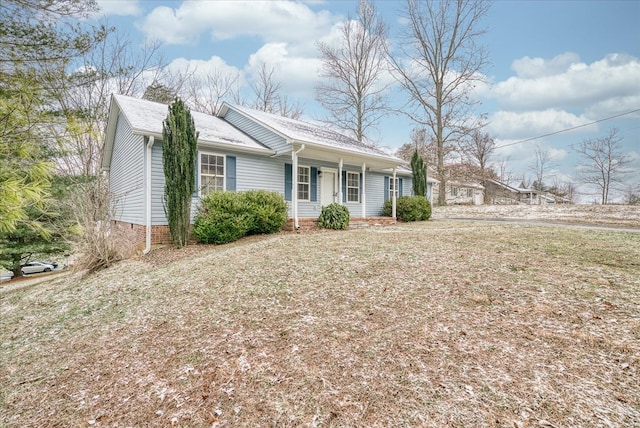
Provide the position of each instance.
(528, 68)
(521, 125)
(566, 83)
(201, 68)
(298, 75)
(271, 21)
(119, 8)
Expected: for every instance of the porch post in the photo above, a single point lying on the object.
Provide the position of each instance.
(340, 198)
(364, 190)
(393, 197)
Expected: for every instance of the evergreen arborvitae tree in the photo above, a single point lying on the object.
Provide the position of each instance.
(179, 139)
(419, 171)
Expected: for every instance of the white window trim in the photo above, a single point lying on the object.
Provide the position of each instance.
(224, 169)
(391, 187)
(352, 187)
(308, 183)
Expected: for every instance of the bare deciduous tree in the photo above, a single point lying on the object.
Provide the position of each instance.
(478, 149)
(265, 90)
(267, 95)
(426, 148)
(439, 61)
(112, 66)
(207, 93)
(540, 166)
(288, 108)
(605, 165)
(353, 87)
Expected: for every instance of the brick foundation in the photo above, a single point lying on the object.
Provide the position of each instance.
(136, 233)
(312, 223)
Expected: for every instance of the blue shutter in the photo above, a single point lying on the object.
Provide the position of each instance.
(230, 168)
(288, 180)
(314, 184)
(386, 188)
(196, 181)
(344, 186)
(399, 186)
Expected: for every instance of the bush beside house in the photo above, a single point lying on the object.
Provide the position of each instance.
(334, 216)
(228, 216)
(409, 208)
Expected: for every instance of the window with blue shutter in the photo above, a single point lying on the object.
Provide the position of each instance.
(389, 187)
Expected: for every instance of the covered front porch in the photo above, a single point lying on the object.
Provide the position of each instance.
(317, 177)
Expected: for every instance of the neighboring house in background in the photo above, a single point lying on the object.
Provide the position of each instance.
(242, 149)
(500, 193)
(461, 193)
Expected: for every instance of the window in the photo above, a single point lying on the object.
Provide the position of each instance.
(304, 182)
(469, 193)
(393, 186)
(353, 187)
(454, 191)
(211, 173)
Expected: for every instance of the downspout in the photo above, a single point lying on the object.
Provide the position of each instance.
(294, 185)
(147, 247)
(393, 197)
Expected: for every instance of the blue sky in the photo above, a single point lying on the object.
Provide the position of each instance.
(554, 64)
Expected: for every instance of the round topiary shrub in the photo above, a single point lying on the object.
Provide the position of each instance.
(409, 208)
(334, 216)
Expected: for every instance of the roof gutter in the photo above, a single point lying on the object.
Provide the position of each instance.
(147, 247)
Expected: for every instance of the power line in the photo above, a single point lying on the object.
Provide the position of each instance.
(568, 129)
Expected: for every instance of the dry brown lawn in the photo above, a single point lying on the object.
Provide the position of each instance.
(435, 324)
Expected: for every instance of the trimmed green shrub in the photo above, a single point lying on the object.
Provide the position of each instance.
(409, 208)
(220, 227)
(268, 211)
(228, 216)
(334, 216)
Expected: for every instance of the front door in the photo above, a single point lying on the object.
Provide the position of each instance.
(328, 187)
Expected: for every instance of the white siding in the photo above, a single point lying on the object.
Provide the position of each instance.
(257, 131)
(126, 177)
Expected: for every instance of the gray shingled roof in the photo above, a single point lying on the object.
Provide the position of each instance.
(307, 132)
(146, 117)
